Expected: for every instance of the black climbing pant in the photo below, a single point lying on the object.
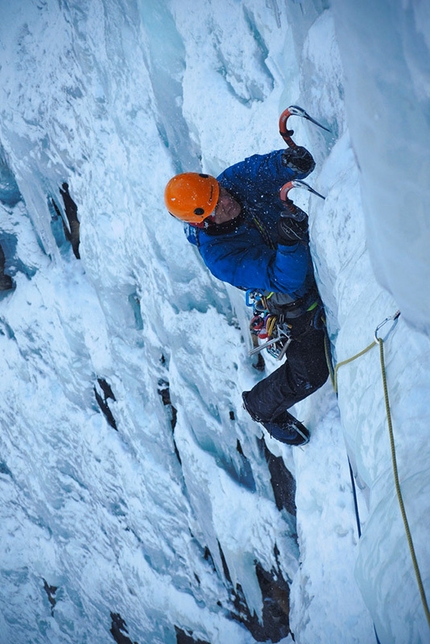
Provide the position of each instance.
(304, 371)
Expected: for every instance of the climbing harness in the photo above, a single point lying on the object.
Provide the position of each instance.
(378, 340)
(278, 320)
(267, 326)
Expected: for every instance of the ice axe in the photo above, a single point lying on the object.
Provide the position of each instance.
(294, 210)
(294, 110)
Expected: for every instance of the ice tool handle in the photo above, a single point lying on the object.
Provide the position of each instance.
(293, 210)
(294, 110)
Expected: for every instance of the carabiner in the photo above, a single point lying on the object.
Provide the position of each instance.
(392, 318)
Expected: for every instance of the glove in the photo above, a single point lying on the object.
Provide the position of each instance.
(291, 210)
(291, 231)
(299, 160)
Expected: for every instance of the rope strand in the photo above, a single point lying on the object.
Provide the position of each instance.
(397, 483)
(344, 362)
(334, 379)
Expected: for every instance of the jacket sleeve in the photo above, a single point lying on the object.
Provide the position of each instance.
(285, 270)
(260, 174)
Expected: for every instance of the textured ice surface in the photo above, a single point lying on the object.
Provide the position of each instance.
(103, 517)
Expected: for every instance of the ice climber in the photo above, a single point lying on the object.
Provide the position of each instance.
(246, 237)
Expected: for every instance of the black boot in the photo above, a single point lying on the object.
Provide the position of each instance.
(289, 430)
(284, 428)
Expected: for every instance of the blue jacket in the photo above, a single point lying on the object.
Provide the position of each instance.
(245, 252)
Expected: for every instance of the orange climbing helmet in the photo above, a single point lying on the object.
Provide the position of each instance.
(191, 196)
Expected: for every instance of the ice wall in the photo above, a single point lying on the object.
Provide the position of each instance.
(369, 172)
(136, 497)
(385, 50)
(138, 501)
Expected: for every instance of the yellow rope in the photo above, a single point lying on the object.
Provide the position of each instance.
(333, 374)
(397, 483)
(341, 364)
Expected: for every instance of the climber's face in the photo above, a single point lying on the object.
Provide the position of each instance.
(227, 207)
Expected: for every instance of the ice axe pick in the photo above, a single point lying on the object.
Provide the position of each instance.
(294, 110)
(295, 211)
